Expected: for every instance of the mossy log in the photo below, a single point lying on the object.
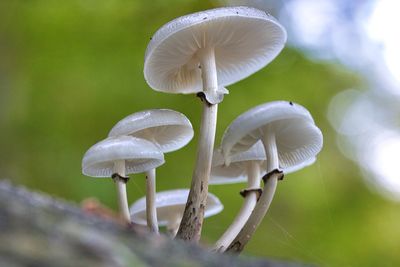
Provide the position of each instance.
(38, 230)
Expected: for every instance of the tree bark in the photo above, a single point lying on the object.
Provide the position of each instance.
(38, 230)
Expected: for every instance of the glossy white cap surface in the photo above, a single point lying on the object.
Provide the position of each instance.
(140, 155)
(298, 139)
(169, 130)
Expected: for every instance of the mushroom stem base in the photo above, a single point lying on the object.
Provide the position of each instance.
(151, 211)
(258, 213)
(122, 200)
(250, 201)
(173, 225)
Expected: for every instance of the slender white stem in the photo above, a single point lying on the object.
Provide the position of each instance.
(271, 151)
(173, 224)
(151, 212)
(250, 200)
(119, 168)
(193, 216)
(265, 200)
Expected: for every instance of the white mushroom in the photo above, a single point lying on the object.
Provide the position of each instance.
(241, 40)
(243, 166)
(170, 206)
(169, 130)
(117, 157)
(200, 53)
(290, 138)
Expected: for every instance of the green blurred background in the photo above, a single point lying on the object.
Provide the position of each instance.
(69, 70)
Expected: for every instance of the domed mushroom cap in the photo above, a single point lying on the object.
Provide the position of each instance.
(140, 155)
(170, 204)
(236, 172)
(245, 40)
(168, 129)
(298, 140)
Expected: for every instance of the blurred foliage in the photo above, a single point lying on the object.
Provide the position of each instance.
(69, 70)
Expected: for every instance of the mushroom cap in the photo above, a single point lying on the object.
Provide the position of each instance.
(168, 129)
(170, 204)
(245, 40)
(236, 172)
(298, 139)
(140, 155)
(300, 166)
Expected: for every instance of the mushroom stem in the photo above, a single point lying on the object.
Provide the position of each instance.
(173, 225)
(119, 168)
(151, 211)
(193, 216)
(265, 200)
(250, 200)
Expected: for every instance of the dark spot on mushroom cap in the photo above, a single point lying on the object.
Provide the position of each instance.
(237, 12)
(205, 18)
(291, 103)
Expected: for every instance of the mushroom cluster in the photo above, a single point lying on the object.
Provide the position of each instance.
(201, 54)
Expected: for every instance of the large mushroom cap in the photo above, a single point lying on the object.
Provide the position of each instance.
(168, 129)
(140, 155)
(298, 140)
(236, 171)
(245, 40)
(170, 204)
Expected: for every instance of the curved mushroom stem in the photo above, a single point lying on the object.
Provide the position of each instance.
(193, 216)
(250, 200)
(265, 200)
(119, 168)
(151, 212)
(173, 224)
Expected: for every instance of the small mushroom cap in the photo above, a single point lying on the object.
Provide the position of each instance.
(170, 204)
(168, 129)
(236, 172)
(245, 40)
(298, 140)
(140, 155)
